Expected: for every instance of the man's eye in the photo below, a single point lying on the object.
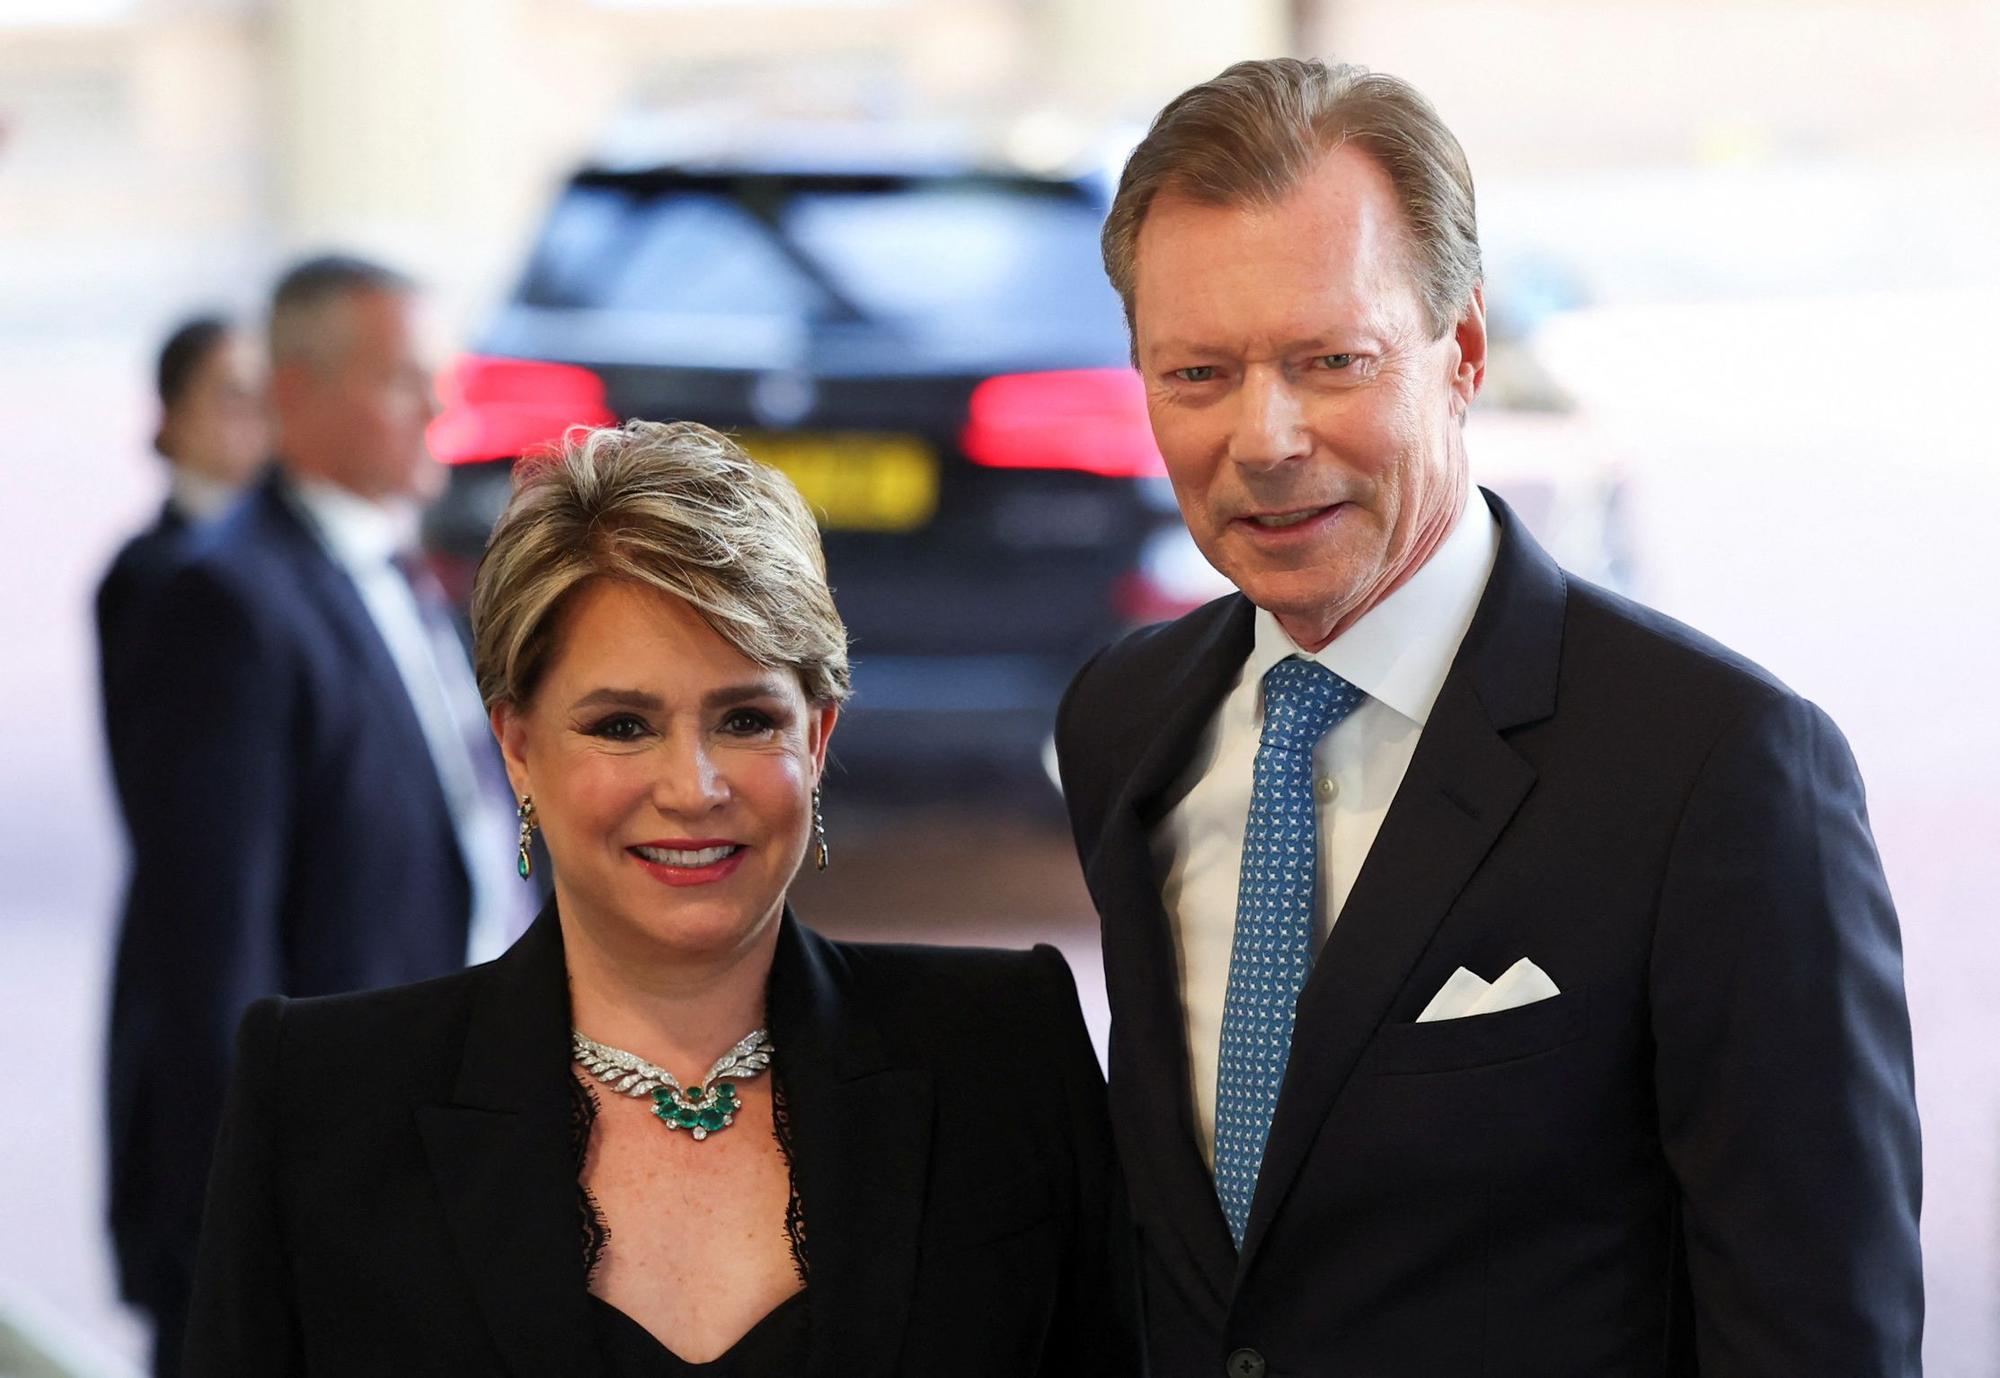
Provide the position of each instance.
(1334, 362)
(1200, 373)
(748, 722)
(619, 727)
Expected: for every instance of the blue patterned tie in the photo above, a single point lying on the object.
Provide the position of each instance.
(1273, 950)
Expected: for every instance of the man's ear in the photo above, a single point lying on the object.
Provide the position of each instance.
(510, 729)
(1470, 336)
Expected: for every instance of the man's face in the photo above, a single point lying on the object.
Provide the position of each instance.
(362, 411)
(1309, 422)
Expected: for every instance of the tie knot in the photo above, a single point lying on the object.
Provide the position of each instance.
(1302, 702)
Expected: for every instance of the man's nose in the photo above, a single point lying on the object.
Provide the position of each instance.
(1270, 422)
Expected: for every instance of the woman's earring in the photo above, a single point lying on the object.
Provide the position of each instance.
(524, 865)
(821, 856)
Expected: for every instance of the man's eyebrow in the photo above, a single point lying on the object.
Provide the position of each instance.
(1349, 338)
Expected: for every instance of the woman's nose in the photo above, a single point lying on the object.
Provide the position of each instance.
(690, 782)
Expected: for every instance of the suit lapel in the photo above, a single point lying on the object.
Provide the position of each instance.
(1463, 786)
(860, 1131)
(503, 1156)
(333, 591)
(1153, 1112)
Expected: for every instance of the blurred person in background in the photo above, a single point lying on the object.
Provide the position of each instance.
(314, 801)
(215, 436)
(672, 1128)
(1502, 976)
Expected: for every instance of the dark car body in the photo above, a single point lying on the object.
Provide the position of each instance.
(930, 349)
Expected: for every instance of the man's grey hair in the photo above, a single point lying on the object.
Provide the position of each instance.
(1252, 134)
(303, 304)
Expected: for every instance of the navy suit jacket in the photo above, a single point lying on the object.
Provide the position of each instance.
(138, 573)
(136, 576)
(289, 836)
(1700, 1157)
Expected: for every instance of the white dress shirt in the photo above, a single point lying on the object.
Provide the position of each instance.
(364, 538)
(1398, 655)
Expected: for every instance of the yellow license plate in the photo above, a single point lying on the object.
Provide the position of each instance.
(857, 481)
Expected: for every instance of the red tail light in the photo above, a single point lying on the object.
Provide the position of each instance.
(1088, 419)
(502, 408)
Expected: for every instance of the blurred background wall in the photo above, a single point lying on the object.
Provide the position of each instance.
(1748, 248)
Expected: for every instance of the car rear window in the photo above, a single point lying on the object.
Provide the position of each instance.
(812, 250)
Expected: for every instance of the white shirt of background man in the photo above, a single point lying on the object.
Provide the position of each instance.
(364, 538)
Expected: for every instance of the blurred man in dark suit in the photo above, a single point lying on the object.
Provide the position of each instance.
(314, 799)
(1502, 976)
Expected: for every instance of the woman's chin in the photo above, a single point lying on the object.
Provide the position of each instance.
(707, 927)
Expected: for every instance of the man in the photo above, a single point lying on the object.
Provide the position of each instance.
(1502, 977)
(314, 802)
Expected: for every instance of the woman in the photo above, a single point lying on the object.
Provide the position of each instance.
(672, 1130)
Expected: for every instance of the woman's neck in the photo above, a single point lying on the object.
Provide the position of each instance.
(682, 1011)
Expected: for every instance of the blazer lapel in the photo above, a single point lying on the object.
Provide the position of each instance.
(1153, 1112)
(860, 1131)
(1463, 786)
(333, 591)
(503, 1157)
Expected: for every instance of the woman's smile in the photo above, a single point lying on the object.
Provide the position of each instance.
(689, 863)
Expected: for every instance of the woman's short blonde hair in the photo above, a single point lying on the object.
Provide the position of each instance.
(671, 506)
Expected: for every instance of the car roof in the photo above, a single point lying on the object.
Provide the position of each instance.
(641, 147)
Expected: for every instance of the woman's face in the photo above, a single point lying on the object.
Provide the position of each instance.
(219, 427)
(672, 776)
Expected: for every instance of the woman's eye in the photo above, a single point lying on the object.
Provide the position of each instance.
(1200, 373)
(748, 722)
(619, 727)
(1334, 362)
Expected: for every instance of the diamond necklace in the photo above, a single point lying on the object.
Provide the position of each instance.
(702, 1110)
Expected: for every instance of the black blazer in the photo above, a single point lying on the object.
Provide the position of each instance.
(1701, 1156)
(136, 576)
(288, 836)
(395, 1189)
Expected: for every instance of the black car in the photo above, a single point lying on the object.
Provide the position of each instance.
(931, 351)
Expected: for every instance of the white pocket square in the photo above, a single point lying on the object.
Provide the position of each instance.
(1465, 994)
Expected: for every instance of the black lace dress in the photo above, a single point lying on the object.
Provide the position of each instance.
(776, 1347)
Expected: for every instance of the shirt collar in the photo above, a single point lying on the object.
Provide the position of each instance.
(1402, 648)
(358, 533)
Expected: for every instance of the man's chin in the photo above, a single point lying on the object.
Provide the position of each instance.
(1308, 618)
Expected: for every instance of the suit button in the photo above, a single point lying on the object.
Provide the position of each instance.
(1326, 789)
(1245, 1363)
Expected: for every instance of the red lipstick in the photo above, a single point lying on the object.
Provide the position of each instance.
(706, 873)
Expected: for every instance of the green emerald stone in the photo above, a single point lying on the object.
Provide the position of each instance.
(726, 1091)
(688, 1118)
(711, 1119)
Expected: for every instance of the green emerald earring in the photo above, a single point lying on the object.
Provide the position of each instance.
(524, 864)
